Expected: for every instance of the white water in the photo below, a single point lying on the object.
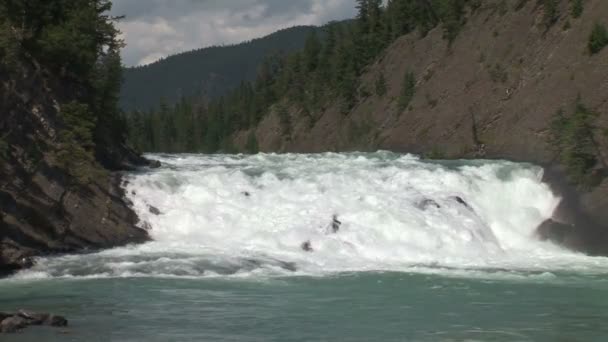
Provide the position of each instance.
(248, 215)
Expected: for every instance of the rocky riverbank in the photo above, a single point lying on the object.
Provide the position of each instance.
(56, 195)
(49, 218)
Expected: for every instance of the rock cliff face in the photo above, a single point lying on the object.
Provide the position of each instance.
(491, 93)
(43, 208)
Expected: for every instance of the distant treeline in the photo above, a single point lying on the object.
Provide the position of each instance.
(325, 71)
(210, 72)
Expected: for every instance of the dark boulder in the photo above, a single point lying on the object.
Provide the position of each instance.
(154, 210)
(34, 318)
(13, 324)
(577, 223)
(427, 203)
(154, 164)
(335, 224)
(289, 266)
(558, 233)
(463, 202)
(306, 246)
(56, 321)
(146, 226)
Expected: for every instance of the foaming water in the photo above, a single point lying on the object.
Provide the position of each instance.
(243, 216)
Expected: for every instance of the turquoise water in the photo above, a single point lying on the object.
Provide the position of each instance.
(348, 307)
(424, 251)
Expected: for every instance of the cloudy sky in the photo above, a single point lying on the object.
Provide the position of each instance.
(157, 28)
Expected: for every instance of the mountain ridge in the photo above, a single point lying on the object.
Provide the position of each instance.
(208, 72)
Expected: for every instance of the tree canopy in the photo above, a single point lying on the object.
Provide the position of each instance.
(76, 44)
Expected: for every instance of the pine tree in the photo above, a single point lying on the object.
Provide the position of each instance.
(380, 85)
(577, 8)
(312, 49)
(408, 89)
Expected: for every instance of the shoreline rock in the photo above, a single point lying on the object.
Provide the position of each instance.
(571, 224)
(93, 217)
(13, 323)
(48, 206)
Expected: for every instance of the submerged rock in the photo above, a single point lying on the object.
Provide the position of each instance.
(12, 323)
(146, 226)
(461, 201)
(335, 224)
(154, 164)
(34, 318)
(289, 266)
(554, 231)
(427, 202)
(154, 210)
(56, 321)
(306, 246)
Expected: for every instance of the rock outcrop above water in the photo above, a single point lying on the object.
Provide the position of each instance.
(12, 323)
(44, 207)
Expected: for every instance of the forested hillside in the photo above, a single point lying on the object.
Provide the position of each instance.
(61, 132)
(206, 73)
(325, 72)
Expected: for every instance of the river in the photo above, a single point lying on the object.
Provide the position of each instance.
(399, 249)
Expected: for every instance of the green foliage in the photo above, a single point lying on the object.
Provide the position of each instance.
(364, 91)
(312, 49)
(66, 36)
(572, 137)
(380, 85)
(212, 71)
(452, 15)
(475, 5)
(76, 43)
(598, 38)
(520, 4)
(408, 90)
(551, 12)
(576, 8)
(75, 152)
(10, 46)
(284, 119)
